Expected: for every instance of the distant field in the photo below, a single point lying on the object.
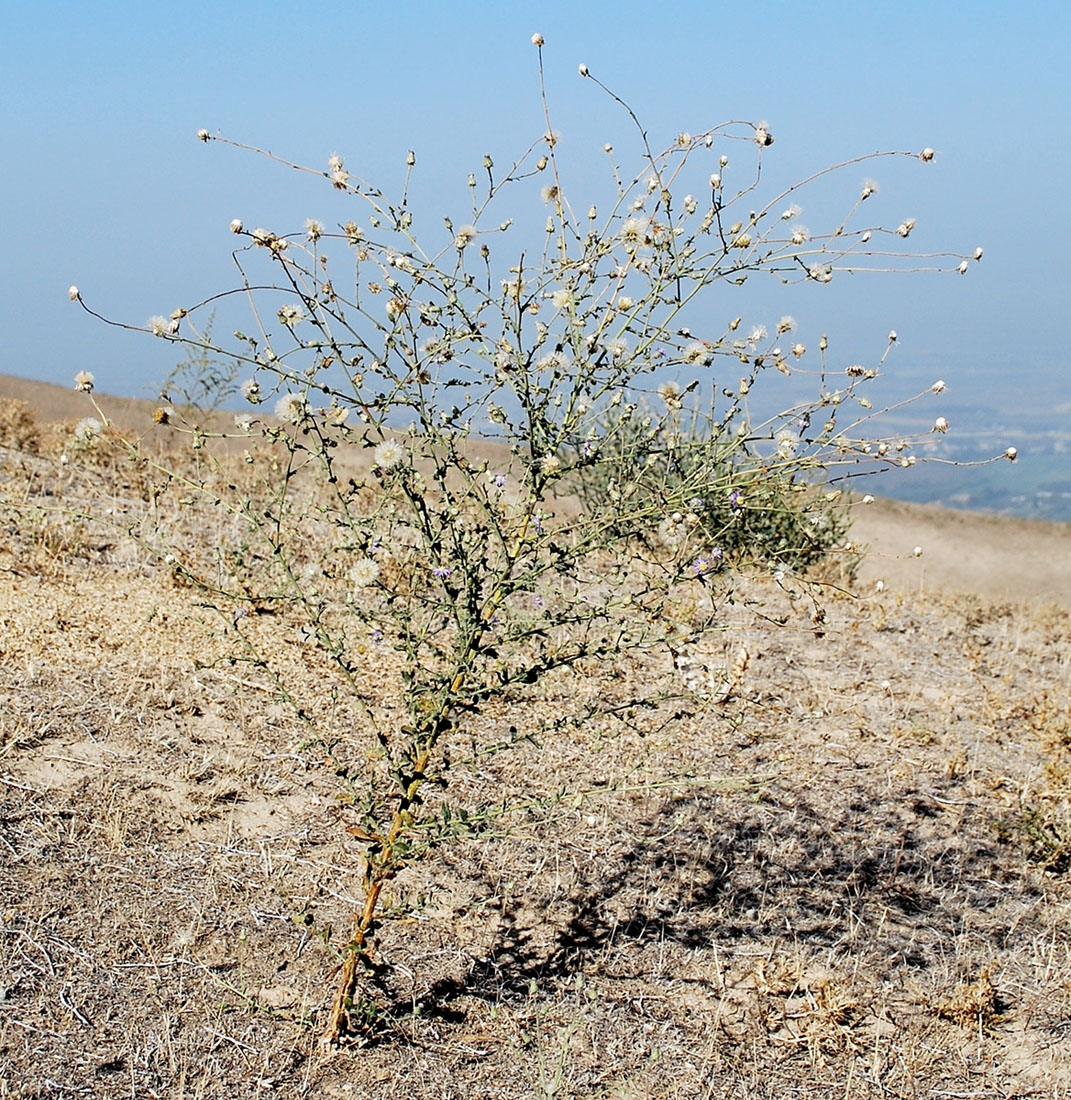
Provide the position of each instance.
(1035, 486)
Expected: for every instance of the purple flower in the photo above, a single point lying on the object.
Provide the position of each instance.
(441, 571)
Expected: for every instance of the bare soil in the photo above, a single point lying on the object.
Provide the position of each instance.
(852, 878)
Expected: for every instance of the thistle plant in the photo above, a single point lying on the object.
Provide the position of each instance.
(495, 454)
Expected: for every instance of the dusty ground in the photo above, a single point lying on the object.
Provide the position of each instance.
(849, 880)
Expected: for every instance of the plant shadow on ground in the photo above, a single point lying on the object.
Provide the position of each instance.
(885, 880)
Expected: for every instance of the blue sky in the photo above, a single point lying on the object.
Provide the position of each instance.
(105, 186)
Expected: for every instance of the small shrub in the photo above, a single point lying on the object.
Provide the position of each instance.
(494, 456)
(18, 427)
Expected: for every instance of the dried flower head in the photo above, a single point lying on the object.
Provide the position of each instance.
(364, 573)
(537, 39)
(87, 430)
(83, 381)
(236, 225)
(616, 348)
(1011, 453)
(938, 386)
(670, 393)
(940, 425)
(635, 232)
(787, 442)
(905, 227)
(388, 454)
(73, 293)
(698, 353)
(291, 407)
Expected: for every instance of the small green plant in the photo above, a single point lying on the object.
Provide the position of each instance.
(1039, 837)
(496, 455)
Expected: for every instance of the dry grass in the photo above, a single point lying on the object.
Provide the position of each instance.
(814, 884)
